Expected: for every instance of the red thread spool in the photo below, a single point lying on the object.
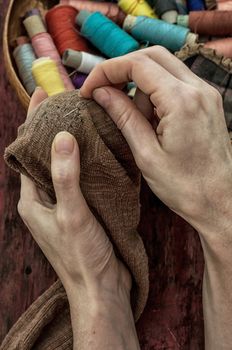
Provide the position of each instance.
(223, 46)
(217, 23)
(109, 9)
(61, 25)
(224, 5)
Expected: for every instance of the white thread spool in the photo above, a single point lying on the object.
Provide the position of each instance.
(82, 61)
(34, 25)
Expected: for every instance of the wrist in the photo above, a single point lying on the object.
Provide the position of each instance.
(102, 316)
(210, 208)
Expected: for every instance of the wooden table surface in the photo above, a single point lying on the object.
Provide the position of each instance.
(173, 317)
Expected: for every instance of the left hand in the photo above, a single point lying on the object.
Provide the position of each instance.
(67, 232)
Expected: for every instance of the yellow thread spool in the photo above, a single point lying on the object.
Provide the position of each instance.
(47, 76)
(137, 8)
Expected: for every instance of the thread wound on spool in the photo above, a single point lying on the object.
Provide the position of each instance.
(109, 9)
(78, 80)
(137, 8)
(24, 57)
(156, 32)
(221, 46)
(81, 61)
(45, 47)
(34, 25)
(216, 23)
(183, 20)
(109, 38)
(224, 5)
(196, 5)
(22, 40)
(162, 6)
(46, 75)
(61, 25)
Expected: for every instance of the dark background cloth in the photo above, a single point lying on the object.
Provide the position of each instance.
(173, 317)
(217, 77)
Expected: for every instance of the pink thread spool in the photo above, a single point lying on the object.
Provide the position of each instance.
(224, 5)
(109, 9)
(221, 46)
(45, 47)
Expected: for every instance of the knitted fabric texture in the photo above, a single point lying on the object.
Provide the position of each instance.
(110, 182)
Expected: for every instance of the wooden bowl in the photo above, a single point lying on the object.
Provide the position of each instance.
(13, 28)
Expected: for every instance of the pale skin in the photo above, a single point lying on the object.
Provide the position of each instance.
(176, 130)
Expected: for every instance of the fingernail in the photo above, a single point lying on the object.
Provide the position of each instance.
(64, 143)
(101, 96)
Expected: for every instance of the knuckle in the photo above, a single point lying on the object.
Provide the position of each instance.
(124, 115)
(143, 159)
(63, 177)
(22, 208)
(62, 219)
(159, 49)
(216, 96)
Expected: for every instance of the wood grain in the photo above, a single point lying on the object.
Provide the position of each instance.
(173, 316)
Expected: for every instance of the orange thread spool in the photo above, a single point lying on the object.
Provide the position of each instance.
(109, 9)
(222, 46)
(61, 25)
(217, 23)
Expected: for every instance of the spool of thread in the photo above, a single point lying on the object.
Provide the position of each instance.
(22, 40)
(216, 23)
(34, 25)
(61, 25)
(44, 47)
(223, 5)
(46, 75)
(166, 10)
(137, 8)
(195, 5)
(78, 80)
(222, 46)
(183, 20)
(182, 7)
(104, 34)
(158, 32)
(24, 57)
(109, 9)
(32, 12)
(82, 61)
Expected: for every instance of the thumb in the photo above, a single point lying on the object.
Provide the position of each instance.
(65, 169)
(136, 129)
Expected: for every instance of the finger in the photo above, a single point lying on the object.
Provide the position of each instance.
(134, 126)
(38, 96)
(172, 64)
(144, 104)
(65, 167)
(28, 207)
(28, 192)
(148, 75)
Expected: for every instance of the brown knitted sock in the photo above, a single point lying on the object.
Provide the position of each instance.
(110, 182)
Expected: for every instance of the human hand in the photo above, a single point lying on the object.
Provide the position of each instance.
(67, 232)
(96, 282)
(186, 159)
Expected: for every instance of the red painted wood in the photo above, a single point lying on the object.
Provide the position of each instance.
(173, 316)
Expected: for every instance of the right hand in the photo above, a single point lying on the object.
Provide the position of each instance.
(187, 159)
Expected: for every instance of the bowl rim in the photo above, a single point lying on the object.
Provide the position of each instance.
(11, 73)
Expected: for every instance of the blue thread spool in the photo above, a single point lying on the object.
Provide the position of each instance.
(182, 7)
(109, 38)
(196, 5)
(158, 32)
(24, 57)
